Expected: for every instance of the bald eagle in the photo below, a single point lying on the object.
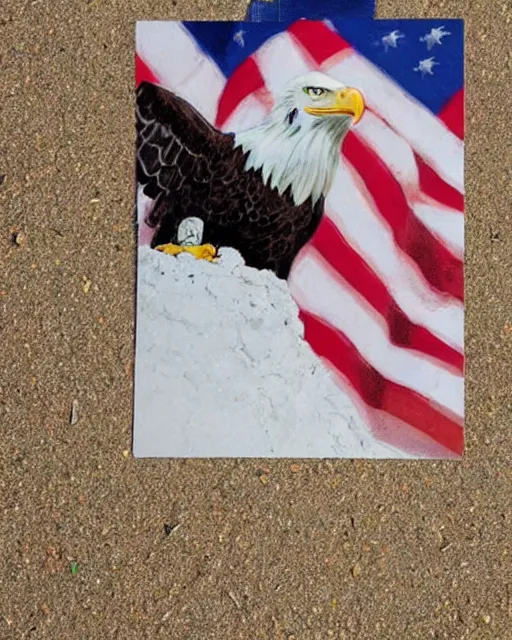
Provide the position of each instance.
(260, 191)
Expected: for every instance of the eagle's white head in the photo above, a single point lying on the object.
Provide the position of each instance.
(298, 145)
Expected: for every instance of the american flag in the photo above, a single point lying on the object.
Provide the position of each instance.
(380, 286)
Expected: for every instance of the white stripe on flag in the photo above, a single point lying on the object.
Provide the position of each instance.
(249, 113)
(174, 56)
(279, 60)
(392, 148)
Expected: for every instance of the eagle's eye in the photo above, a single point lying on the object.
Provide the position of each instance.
(315, 92)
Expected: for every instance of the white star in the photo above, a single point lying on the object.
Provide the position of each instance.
(391, 39)
(239, 38)
(434, 37)
(425, 66)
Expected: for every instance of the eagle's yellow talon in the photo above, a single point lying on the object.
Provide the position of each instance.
(201, 252)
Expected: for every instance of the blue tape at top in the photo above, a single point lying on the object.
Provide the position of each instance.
(284, 10)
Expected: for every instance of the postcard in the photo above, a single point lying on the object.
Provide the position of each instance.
(300, 225)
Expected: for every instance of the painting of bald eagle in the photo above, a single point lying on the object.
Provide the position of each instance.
(299, 206)
(260, 191)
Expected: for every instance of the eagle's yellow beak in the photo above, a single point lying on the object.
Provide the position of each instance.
(347, 101)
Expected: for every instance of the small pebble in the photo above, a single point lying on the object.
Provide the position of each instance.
(73, 419)
(169, 528)
(18, 238)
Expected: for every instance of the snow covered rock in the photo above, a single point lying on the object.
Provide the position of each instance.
(222, 369)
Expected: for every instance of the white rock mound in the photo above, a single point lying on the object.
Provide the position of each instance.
(222, 369)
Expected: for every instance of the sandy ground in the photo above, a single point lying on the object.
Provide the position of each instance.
(275, 550)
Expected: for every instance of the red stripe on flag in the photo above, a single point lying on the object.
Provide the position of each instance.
(143, 73)
(440, 268)
(435, 187)
(452, 114)
(245, 80)
(378, 392)
(319, 42)
(333, 247)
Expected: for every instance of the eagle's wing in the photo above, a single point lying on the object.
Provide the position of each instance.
(175, 144)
